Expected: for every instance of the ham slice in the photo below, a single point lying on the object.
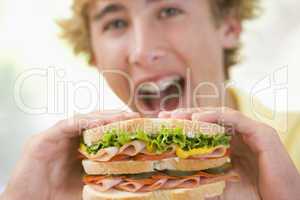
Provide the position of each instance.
(171, 150)
(189, 182)
(130, 186)
(105, 154)
(106, 184)
(145, 181)
(155, 186)
(231, 176)
(136, 150)
(156, 182)
(133, 148)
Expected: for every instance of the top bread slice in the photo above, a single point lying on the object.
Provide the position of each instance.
(152, 126)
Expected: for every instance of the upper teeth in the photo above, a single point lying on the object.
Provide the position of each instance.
(161, 85)
(168, 81)
(149, 87)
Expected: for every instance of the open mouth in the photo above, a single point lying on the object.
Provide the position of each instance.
(164, 94)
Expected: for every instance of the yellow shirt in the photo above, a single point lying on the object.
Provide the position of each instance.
(286, 123)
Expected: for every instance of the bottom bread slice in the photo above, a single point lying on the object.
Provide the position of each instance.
(199, 193)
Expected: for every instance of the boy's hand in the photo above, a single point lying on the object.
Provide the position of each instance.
(258, 155)
(49, 167)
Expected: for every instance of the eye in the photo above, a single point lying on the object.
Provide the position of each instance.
(115, 24)
(169, 12)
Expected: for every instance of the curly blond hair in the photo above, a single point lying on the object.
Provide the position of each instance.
(76, 29)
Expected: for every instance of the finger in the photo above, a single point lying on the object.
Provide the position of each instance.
(182, 113)
(226, 117)
(185, 113)
(259, 137)
(164, 114)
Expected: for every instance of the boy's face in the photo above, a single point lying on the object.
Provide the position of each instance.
(161, 54)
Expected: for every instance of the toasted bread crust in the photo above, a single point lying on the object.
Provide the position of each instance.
(152, 126)
(136, 167)
(200, 193)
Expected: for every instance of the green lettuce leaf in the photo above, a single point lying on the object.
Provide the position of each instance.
(142, 136)
(160, 142)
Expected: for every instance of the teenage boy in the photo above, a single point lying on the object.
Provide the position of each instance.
(160, 57)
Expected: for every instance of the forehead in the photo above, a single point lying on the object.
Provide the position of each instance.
(127, 1)
(124, 2)
(80, 4)
(138, 5)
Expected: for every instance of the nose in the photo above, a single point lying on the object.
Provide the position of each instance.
(147, 46)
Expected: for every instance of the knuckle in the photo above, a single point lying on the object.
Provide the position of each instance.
(232, 117)
(266, 129)
(231, 112)
(79, 124)
(225, 109)
(62, 124)
(113, 112)
(235, 114)
(195, 110)
(228, 113)
(34, 138)
(178, 111)
(270, 130)
(41, 147)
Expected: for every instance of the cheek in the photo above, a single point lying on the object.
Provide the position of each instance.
(110, 57)
(199, 46)
(110, 53)
(121, 84)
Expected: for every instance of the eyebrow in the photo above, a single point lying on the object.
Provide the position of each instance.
(152, 1)
(111, 8)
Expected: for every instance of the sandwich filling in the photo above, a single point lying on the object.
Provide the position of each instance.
(149, 182)
(116, 145)
(164, 143)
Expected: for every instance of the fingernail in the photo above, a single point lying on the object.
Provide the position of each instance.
(181, 115)
(132, 114)
(164, 114)
(201, 115)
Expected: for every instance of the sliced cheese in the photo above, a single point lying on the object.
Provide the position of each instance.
(196, 152)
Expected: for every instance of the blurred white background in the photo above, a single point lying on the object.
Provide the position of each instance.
(28, 39)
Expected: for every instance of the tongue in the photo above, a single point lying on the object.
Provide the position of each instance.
(170, 102)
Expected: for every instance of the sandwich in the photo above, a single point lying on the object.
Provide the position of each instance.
(155, 159)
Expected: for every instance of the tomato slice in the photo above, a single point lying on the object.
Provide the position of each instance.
(80, 156)
(92, 179)
(227, 153)
(120, 158)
